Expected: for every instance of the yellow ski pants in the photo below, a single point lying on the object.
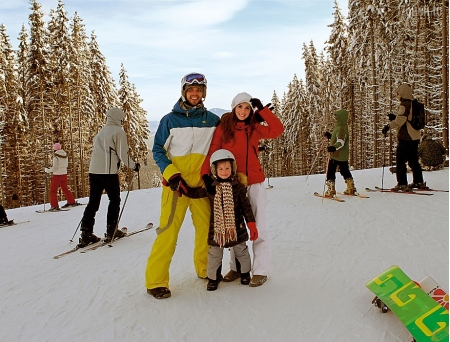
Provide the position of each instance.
(173, 211)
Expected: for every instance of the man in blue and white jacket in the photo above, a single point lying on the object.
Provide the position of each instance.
(180, 147)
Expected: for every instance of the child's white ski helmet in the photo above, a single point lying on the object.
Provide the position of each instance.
(219, 155)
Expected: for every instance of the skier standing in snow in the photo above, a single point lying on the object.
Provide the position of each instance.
(59, 179)
(408, 141)
(240, 132)
(179, 149)
(339, 153)
(229, 207)
(110, 149)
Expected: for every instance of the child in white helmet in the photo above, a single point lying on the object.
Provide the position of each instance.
(230, 211)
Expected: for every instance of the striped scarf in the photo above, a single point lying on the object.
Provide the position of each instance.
(224, 220)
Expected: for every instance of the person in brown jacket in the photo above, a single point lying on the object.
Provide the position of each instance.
(408, 141)
(229, 207)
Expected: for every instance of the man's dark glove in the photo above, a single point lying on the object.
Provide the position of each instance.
(208, 184)
(178, 184)
(331, 149)
(327, 134)
(385, 129)
(391, 116)
(256, 103)
(136, 168)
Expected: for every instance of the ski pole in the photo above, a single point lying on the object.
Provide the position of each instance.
(384, 162)
(326, 171)
(45, 189)
(130, 183)
(79, 224)
(314, 162)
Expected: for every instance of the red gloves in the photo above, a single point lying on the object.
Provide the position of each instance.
(253, 230)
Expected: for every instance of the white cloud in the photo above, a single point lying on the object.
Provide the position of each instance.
(198, 14)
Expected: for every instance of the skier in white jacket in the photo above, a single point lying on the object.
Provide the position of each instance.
(110, 149)
(59, 179)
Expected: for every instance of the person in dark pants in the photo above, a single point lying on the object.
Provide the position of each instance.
(408, 142)
(110, 149)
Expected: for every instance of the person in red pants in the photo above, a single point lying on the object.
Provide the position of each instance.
(59, 179)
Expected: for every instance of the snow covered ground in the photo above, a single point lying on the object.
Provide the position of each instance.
(323, 253)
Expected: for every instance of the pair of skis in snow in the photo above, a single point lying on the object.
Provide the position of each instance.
(60, 209)
(103, 242)
(422, 192)
(411, 192)
(338, 199)
(4, 225)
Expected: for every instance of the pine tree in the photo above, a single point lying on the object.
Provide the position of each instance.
(38, 84)
(102, 86)
(135, 122)
(81, 107)
(10, 116)
(24, 190)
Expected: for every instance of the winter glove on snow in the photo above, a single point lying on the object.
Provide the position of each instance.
(208, 184)
(385, 129)
(256, 103)
(253, 230)
(331, 149)
(136, 168)
(327, 135)
(391, 116)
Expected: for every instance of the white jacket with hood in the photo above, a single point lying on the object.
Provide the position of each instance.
(111, 146)
(60, 163)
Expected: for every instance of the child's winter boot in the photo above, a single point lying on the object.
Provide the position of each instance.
(214, 283)
(245, 278)
(331, 191)
(351, 190)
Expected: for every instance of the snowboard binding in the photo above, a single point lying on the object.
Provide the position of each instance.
(380, 304)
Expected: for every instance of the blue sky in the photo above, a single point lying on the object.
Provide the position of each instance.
(240, 45)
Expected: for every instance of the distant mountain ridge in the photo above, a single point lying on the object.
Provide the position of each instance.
(218, 111)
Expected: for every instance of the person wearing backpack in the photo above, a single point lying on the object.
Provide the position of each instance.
(408, 141)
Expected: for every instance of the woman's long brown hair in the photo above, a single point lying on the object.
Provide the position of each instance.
(229, 121)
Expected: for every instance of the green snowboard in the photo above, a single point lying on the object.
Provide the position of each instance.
(425, 319)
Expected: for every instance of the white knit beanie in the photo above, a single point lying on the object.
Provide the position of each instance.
(241, 98)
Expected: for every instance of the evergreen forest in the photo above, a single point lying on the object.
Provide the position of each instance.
(56, 87)
(380, 45)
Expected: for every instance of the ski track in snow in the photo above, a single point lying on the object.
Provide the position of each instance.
(322, 254)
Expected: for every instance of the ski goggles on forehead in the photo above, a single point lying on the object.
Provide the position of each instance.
(195, 78)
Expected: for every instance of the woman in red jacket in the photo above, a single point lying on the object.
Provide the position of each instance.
(240, 132)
